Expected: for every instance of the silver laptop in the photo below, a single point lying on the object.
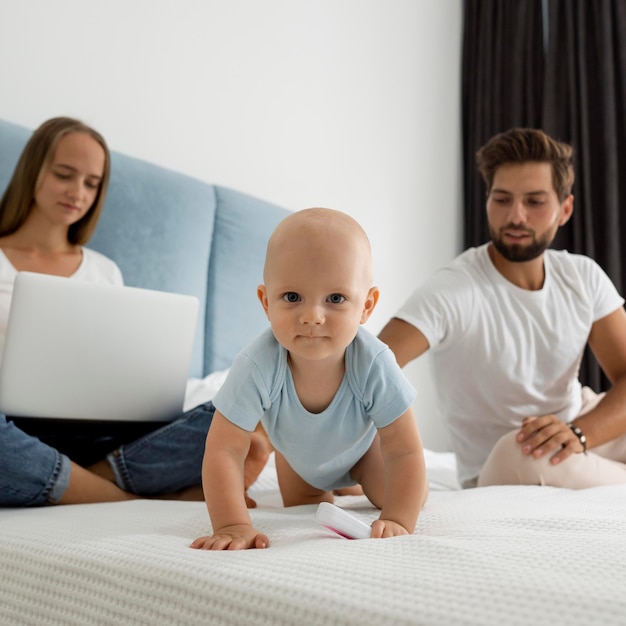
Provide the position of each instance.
(78, 350)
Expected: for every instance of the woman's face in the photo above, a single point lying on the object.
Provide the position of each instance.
(70, 182)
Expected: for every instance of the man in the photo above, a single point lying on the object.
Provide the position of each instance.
(507, 324)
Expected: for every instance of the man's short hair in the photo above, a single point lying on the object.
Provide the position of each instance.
(523, 145)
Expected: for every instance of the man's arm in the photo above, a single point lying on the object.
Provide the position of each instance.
(405, 341)
(607, 341)
(545, 434)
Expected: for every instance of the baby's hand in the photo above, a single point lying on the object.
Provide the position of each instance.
(237, 537)
(382, 528)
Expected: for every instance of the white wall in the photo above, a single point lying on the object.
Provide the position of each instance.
(351, 104)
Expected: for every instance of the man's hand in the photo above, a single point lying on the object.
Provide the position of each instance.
(541, 435)
(236, 537)
(382, 528)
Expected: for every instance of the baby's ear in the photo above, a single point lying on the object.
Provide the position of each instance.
(370, 303)
(261, 293)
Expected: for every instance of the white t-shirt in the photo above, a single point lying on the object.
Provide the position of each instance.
(500, 353)
(94, 268)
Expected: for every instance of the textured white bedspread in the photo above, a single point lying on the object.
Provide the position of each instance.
(498, 555)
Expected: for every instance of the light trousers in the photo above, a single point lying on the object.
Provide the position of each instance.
(601, 465)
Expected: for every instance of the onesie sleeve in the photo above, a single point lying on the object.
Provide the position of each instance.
(242, 397)
(376, 378)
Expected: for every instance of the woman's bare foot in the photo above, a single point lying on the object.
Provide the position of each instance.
(103, 469)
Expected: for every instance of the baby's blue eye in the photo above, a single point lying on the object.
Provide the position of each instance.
(335, 298)
(291, 296)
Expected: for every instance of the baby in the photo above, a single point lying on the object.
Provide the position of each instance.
(333, 400)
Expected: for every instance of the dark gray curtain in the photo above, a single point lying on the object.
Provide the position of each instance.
(582, 97)
(585, 105)
(503, 65)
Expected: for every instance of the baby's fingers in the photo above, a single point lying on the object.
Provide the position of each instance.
(261, 541)
(231, 542)
(204, 543)
(378, 528)
(387, 528)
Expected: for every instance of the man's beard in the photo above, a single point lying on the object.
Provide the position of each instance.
(518, 253)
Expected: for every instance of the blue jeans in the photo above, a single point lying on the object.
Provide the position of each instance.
(31, 472)
(166, 460)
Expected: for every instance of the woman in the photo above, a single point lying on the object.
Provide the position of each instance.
(49, 211)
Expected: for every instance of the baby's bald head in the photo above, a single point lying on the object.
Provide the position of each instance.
(323, 236)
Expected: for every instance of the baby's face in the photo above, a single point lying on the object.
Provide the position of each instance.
(317, 292)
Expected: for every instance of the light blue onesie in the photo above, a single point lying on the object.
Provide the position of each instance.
(321, 447)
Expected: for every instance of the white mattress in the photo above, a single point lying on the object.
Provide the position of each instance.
(497, 555)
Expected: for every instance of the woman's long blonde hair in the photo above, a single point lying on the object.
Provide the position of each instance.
(17, 201)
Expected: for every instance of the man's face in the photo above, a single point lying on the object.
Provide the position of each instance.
(523, 210)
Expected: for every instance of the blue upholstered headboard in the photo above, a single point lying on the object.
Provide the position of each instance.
(171, 232)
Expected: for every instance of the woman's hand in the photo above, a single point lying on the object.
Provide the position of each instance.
(541, 435)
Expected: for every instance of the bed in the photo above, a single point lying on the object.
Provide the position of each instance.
(497, 555)
(493, 555)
